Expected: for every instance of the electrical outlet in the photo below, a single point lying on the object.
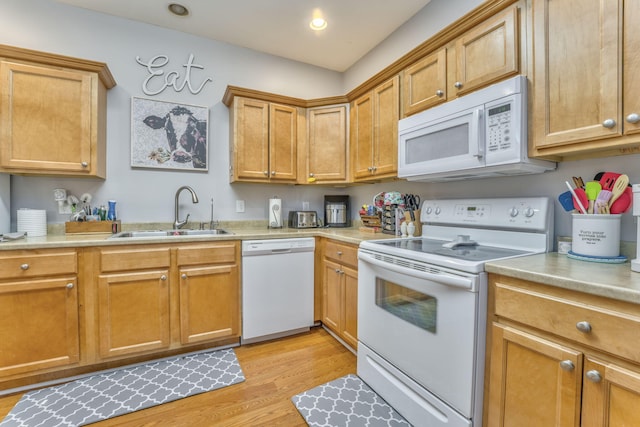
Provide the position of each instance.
(64, 208)
(239, 206)
(305, 206)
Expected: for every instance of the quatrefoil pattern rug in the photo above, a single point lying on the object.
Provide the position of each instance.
(346, 402)
(119, 392)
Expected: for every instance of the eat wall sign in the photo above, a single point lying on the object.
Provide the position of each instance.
(160, 79)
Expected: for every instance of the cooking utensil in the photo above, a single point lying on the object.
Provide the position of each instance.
(566, 201)
(618, 188)
(608, 179)
(592, 188)
(578, 182)
(602, 202)
(579, 198)
(622, 204)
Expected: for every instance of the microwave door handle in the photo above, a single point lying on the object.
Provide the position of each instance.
(476, 137)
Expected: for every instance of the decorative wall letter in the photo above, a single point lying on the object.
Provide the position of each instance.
(155, 83)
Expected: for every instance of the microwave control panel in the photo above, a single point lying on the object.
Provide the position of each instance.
(504, 129)
(499, 128)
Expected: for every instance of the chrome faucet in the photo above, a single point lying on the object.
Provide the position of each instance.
(194, 198)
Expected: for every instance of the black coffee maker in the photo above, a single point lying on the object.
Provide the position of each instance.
(336, 211)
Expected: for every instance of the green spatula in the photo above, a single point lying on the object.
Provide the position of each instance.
(592, 188)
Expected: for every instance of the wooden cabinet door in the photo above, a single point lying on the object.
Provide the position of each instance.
(350, 301)
(631, 55)
(425, 83)
(332, 296)
(38, 325)
(488, 53)
(362, 133)
(283, 142)
(251, 139)
(534, 382)
(386, 104)
(48, 120)
(133, 312)
(327, 145)
(577, 92)
(209, 303)
(611, 395)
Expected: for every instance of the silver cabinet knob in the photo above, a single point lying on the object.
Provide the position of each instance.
(567, 365)
(163, 277)
(374, 168)
(583, 326)
(594, 376)
(339, 253)
(633, 118)
(69, 286)
(311, 175)
(609, 123)
(24, 267)
(458, 85)
(273, 173)
(439, 93)
(84, 164)
(184, 276)
(338, 270)
(266, 173)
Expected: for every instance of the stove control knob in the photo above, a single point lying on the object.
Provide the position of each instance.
(513, 212)
(437, 212)
(529, 212)
(428, 210)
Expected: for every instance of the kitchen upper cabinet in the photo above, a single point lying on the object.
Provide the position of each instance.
(39, 315)
(52, 114)
(209, 292)
(559, 357)
(586, 94)
(487, 53)
(326, 153)
(264, 141)
(374, 132)
(340, 291)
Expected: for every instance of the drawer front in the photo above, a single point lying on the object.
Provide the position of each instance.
(134, 259)
(216, 253)
(601, 328)
(33, 264)
(342, 253)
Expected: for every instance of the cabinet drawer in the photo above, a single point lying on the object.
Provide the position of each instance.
(134, 259)
(342, 253)
(216, 253)
(606, 329)
(32, 264)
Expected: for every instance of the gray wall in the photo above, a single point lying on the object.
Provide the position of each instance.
(147, 195)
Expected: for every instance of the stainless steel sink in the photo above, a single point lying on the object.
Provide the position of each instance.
(169, 233)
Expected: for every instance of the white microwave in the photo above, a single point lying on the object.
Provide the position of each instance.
(482, 134)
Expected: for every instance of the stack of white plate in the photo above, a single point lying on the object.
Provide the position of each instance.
(33, 222)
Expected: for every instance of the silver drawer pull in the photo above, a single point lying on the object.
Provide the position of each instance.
(583, 326)
(339, 253)
(24, 266)
(439, 93)
(633, 118)
(567, 365)
(69, 285)
(184, 276)
(84, 164)
(609, 123)
(594, 376)
(163, 277)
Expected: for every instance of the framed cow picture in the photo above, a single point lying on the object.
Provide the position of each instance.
(167, 135)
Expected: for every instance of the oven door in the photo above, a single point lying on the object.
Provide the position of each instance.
(428, 322)
(452, 143)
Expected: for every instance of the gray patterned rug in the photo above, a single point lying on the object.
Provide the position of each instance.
(119, 392)
(346, 401)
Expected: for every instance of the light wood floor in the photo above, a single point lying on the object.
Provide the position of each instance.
(274, 372)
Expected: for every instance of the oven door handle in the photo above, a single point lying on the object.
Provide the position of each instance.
(442, 278)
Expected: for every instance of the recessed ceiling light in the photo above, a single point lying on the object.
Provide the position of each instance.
(318, 24)
(178, 9)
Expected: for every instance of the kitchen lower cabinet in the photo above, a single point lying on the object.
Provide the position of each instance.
(133, 300)
(39, 313)
(340, 291)
(209, 292)
(561, 358)
(52, 114)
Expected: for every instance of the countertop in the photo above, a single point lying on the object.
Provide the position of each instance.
(615, 281)
(239, 231)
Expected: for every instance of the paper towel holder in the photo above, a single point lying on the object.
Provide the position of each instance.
(275, 212)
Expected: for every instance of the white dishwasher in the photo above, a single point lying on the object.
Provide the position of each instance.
(277, 287)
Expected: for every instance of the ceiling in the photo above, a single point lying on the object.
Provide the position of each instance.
(277, 27)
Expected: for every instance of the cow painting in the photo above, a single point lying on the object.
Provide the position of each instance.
(186, 137)
(166, 135)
